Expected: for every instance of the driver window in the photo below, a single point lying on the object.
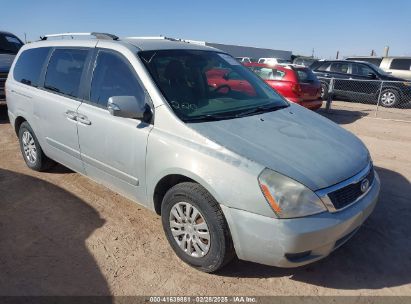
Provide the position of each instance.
(113, 76)
(361, 70)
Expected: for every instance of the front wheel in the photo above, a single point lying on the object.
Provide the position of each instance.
(389, 98)
(196, 228)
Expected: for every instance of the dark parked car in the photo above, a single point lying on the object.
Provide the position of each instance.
(361, 81)
(9, 46)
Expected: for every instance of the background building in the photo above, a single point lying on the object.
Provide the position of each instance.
(247, 51)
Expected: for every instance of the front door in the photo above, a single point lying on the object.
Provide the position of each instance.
(365, 88)
(113, 149)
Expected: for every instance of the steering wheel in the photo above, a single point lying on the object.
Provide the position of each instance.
(224, 86)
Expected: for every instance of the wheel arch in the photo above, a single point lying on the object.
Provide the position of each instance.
(17, 123)
(390, 87)
(167, 181)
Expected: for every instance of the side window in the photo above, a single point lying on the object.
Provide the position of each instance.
(29, 65)
(339, 67)
(401, 64)
(361, 69)
(64, 71)
(324, 66)
(113, 76)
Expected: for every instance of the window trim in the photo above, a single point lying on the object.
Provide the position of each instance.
(89, 77)
(83, 73)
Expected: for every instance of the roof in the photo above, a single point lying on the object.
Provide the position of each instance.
(161, 43)
(142, 43)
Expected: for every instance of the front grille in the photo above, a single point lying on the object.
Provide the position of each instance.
(349, 194)
(3, 78)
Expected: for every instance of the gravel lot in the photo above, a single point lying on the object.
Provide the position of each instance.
(62, 234)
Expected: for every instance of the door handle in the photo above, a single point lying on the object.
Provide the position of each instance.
(83, 119)
(71, 115)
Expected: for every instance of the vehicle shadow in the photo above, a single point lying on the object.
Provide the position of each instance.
(378, 256)
(43, 230)
(59, 169)
(4, 118)
(342, 117)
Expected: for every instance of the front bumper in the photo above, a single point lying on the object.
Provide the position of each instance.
(299, 241)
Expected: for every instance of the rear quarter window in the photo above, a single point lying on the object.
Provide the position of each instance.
(322, 66)
(29, 65)
(401, 64)
(305, 75)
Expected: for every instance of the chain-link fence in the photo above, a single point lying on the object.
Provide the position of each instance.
(383, 99)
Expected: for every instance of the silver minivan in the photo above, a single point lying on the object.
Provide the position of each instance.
(187, 131)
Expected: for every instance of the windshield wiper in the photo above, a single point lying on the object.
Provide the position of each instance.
(261, 109)
(207, 117)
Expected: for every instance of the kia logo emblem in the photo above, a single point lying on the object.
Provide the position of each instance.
(364, 185)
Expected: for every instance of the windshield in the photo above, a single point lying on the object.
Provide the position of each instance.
(206, 85)
(9, 44)
(305, 75)
(283, 61)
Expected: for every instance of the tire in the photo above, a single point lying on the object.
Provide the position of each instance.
(324, 91)
(389, 98)
(30, 149)
(206, 255)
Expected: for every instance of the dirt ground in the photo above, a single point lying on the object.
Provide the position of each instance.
(62, 234)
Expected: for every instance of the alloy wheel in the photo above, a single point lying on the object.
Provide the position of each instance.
(29, 147)
(388, 98)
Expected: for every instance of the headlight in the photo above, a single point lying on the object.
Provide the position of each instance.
(287, 197)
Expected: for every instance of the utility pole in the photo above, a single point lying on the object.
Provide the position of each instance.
(338, 53)
(25, 38)
(312, 53)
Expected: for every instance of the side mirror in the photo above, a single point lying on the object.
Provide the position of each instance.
(226, 76)
(372, 76)
(129, 107)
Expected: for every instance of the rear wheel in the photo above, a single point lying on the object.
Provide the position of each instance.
(324, 91)
(389, 98)
(196, 228)
(31, 150)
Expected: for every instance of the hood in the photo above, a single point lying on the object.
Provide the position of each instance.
(295, 142)
(6, 61)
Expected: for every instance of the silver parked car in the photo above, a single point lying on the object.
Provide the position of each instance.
(399, 66)
(233, 169)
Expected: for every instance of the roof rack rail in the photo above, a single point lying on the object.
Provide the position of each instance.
(154, 38)
(95, 34)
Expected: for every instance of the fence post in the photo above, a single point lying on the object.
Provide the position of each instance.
(379, 98)
(330, 95)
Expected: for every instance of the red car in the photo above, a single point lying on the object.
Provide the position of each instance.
(297, 84)
(226, 80)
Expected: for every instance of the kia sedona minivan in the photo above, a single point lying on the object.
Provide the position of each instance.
(232, 172)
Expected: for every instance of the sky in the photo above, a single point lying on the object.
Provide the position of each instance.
(352, 27)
